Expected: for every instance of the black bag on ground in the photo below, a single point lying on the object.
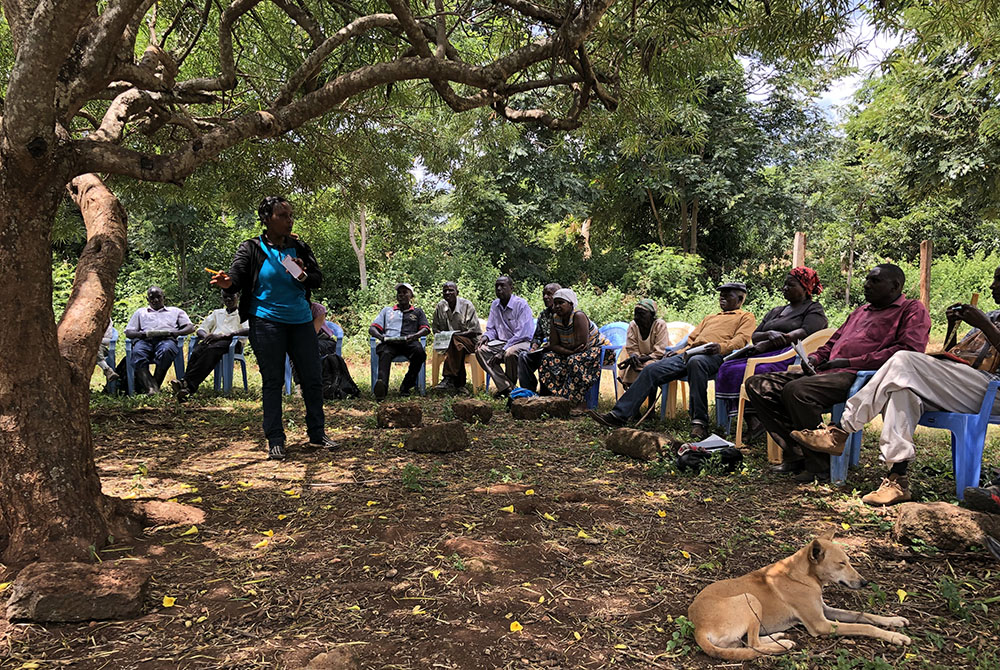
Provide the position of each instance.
(337, 382)
(694, 458)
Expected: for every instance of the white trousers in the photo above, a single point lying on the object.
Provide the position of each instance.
(908, 385)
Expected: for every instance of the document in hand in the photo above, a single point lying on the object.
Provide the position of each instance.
(442, 340)
(800, 351)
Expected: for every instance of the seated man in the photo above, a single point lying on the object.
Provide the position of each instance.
(529, 361)
(156, 329)
(912, 383)
(215, 334)
(398, 330)
(790, 401)
(716, 336)
(455, 318)
(508, 332)
(102, 355)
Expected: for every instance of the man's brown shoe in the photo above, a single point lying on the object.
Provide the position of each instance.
(825, 439)
(894, 489)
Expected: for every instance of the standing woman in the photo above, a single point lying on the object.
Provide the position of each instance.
(276, 303)
(572, 359)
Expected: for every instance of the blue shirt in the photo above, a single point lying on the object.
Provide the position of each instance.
(277, 295)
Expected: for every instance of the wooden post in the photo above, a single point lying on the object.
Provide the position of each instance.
(926, 253)
(799, 250)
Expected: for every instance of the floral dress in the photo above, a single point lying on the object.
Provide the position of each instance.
(571, 375)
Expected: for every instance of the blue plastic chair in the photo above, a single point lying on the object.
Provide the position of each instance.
(338, 332)
(130, 369)
(421, 376)
(614, 332)
(224, 368)
(968, 436)
(852, 450)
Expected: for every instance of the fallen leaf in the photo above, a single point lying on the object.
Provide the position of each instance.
(168, 601)
(620, 646)
(515, 626)
(193, 530)
(508, 508)
(901, 594)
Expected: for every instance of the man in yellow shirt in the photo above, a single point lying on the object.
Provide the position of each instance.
(716, 336)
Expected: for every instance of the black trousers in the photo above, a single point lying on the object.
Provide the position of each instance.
(203, 361)
(414, 353)
(787, 401)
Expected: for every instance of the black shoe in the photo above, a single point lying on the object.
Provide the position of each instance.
(180, 389)
(276, 452)
(986, 499)
(806, 477)
(380, 389)
(609, 419)
(993, 545)
(789, 467)
(324, 443)
(698, 432)
(405, 391)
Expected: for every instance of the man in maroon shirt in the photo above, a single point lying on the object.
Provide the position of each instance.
(787, 401)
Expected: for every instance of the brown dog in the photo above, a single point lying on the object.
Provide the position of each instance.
(765, 602)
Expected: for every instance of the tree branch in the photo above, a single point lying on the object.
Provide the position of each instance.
(227, 79)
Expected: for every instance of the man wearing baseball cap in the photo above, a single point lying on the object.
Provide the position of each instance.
(398, 330)
(716, 336)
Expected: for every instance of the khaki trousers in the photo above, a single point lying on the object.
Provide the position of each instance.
(908, 385)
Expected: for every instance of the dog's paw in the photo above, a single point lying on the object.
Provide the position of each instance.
(777, 636)
(899, 638)
(896, 622)
(786, 643)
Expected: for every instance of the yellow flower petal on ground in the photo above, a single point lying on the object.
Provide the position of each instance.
(290, 492)
(650, 494)
(685, 554)
(435, 573)
(263, 543)
(417, 609)
(269, 533)
(845, 525)
(195, 500)
(587, 562)
(901, 594)
(582, 534)
(707, 500)
(663, 496)
(4, 586)
(548, 517)
(193, 530)
(541, 599)
(168, 601)
(515, 626)
(508, 508)
(282, 517)
(529, 492)
(577, 635)
(370, 503)
(660, 513)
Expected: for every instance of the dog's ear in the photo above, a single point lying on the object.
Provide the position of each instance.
(828, 535)
(816, 551)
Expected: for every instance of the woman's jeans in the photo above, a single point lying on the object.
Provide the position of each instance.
(271, 341)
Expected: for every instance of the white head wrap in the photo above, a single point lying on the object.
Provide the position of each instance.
(567, 295)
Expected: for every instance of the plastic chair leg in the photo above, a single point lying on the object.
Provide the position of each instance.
(422, 379)
(967, 456)
(477, 373)
(436, 361)
(774, 453)
(739, 422)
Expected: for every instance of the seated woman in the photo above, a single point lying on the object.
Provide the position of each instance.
(777, 331)
(646, 340)
(572, 359)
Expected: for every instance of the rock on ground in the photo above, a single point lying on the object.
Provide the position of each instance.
(166, 513)
(535, 408)
(438, 438)
(399, 415)
(944, 525)
(340, 658)
(470, 411)
(639, 444)
(60, 592)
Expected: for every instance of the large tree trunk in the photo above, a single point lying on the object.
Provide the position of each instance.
(51, 506)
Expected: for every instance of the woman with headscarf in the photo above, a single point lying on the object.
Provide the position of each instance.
(646, 340)
(572, 359)
(778, 330)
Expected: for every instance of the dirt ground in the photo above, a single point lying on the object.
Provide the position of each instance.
(535, 548)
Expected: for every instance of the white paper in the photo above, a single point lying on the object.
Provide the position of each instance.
(713, 442)
(292, 267)
(443, 339)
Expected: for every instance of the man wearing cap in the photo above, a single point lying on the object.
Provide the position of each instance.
(716, 336)
(398, 330)
(457, 316)
(508, 332)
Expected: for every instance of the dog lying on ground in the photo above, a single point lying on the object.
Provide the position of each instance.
(765, 602)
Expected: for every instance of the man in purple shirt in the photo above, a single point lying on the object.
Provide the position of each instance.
(787, 401)
(508, 332)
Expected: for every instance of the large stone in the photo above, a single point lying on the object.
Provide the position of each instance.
(471, 411)
(438, 438)
(60, 592)
(639, 444)
(399, 415)
(537, 407)
(944, 525)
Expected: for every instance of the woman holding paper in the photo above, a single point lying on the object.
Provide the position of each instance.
(274, 273)
(777, 331)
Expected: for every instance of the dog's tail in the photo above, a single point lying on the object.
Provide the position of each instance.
(725, 653)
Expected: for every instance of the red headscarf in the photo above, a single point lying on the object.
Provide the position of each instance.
(808, 278)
